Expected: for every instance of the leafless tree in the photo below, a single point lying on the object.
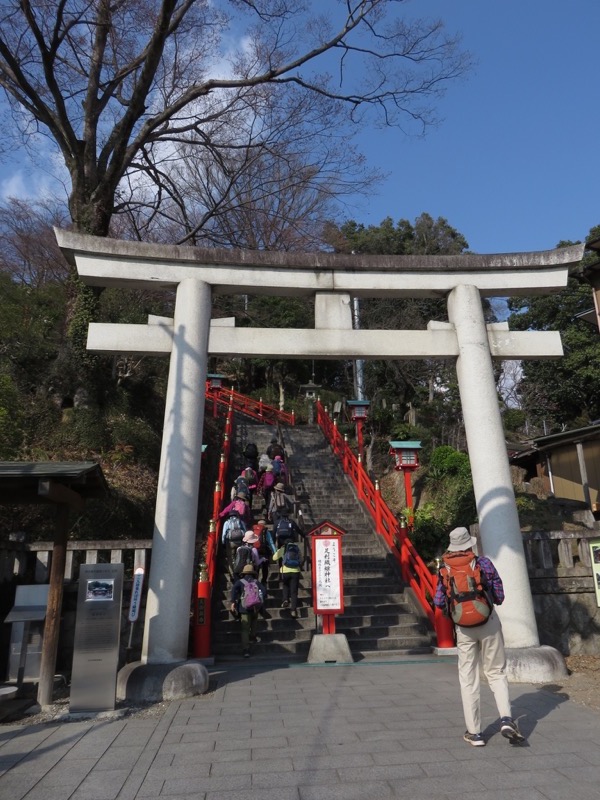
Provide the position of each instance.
(107, 80)
(29, 252)
(266, 180)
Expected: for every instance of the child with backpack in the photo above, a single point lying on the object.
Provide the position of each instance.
(247, 600)
(291, 570)
(468, 588)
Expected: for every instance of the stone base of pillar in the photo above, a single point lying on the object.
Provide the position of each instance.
(541, 664)
(445, 651)
(141, 683)
(329, 648)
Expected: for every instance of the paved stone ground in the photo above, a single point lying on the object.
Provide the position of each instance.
(265, 732)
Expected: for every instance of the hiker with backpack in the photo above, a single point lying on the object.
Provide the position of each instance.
(275, 449)
(266, 484)
(265, 546)
(232, 536)
(241, 506)
(247, 600)
(251, 455)
(247, 554)
(280, 470)
(467, 590)
(245, 484)
(240, 485)
(291, 570)
(285, 531)
(280, 504)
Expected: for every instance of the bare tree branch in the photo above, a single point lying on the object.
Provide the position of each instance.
(107, 81)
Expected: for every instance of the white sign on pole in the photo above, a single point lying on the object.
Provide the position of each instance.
(327, 575)
(136, 594)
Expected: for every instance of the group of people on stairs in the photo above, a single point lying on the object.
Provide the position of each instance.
(252, 546)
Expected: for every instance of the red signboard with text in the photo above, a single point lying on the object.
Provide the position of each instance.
(328, 586)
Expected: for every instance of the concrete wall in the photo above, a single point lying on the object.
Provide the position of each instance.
(569, 618)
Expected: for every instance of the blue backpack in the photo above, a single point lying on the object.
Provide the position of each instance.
(284, 531)
(291, 556)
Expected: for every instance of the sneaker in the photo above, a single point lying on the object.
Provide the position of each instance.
(285, 604)
(255, 639)
(294, 614)
(246, 653)
(476, 739)
(510, 731)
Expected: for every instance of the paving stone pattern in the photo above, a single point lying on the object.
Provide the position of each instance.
(372, 730)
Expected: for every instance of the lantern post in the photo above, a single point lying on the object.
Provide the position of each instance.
(359, 411)
(406, 460)
(214, 382)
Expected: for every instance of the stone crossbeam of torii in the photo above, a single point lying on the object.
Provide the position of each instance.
(333, 280)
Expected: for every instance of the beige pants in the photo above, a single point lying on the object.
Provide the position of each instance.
(487, 642)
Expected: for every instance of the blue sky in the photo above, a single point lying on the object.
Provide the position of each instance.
(512, 166)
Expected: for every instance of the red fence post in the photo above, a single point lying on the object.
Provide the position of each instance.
(444, 630)
(359, 477)
(217, 500)
(222, 469)
(201, 632)
(378, 525)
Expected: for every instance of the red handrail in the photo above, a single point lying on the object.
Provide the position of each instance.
(413, 569)
(224, 398)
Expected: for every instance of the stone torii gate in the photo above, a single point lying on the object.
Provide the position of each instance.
(333, 281)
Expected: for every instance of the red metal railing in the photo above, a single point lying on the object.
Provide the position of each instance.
(202, 633)
(414, 572)
(221, 399)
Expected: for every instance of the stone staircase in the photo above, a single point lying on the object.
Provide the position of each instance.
(379, 616)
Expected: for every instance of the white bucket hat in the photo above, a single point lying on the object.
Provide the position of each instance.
(461, 539)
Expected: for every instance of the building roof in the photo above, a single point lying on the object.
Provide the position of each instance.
(565, 437)
(553, 440)
(23, 482)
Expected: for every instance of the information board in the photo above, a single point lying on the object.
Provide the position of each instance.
(595, 557)
(97, 634)
(327, 576)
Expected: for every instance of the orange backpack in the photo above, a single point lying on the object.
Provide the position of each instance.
(468, 600)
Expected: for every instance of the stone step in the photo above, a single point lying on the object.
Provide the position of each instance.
(378, 617)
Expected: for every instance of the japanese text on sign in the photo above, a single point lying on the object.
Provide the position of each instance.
(327, 575)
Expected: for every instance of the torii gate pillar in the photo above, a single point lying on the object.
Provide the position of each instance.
(166, 629)
(494, 494)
